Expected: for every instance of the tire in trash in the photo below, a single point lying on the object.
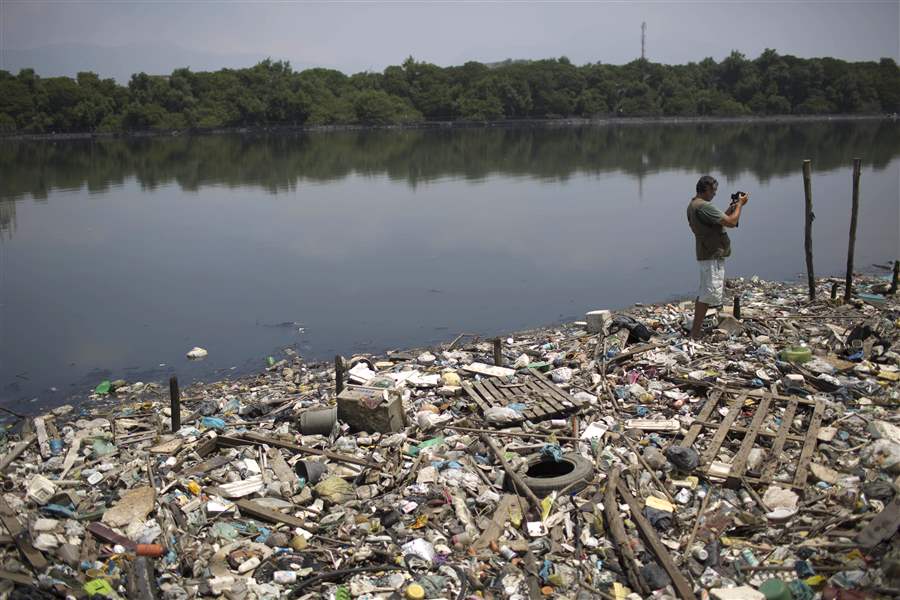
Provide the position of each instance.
(543, 475)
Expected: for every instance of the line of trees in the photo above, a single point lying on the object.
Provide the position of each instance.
(272, 94)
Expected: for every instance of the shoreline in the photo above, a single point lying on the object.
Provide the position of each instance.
(150, 378)
(445, 125)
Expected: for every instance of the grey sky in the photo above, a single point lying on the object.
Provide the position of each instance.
(372, 35)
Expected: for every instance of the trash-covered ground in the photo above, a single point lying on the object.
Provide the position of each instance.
(621, 462)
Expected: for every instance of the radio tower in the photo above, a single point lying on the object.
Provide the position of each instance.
(643, 37)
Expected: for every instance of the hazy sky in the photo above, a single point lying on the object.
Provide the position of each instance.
(355, 36)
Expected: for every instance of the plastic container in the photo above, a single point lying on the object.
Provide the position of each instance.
(320, 421)
(775, 589)
(310, 470)
(796, 354)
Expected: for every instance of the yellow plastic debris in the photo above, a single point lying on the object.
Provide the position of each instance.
(547, 506)
(659, 504)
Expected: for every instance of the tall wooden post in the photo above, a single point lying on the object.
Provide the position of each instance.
(498, 352)
(848, 286)
(338, 374)
(807, 190)
(896, 276)
(175, 403)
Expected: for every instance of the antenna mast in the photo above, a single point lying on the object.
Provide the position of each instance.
(643, 38)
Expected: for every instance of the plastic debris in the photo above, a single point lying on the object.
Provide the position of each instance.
(630, 460)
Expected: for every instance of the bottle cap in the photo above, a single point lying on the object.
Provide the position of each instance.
(415, 592)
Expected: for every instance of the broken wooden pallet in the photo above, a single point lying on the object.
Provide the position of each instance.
(136, 427)
(756, 408)
(541, 397)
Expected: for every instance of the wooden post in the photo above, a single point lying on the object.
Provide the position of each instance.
(848, 286)
(807, 190)
(893, 289)
(175, 400)
(498, 352)
(338, 374)
(518, 483)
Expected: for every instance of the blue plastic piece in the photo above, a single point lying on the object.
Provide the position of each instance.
(544, 573)
(213, 423)
(552, 451)
(803, 569)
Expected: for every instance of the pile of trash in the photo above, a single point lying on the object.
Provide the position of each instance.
(610, 458)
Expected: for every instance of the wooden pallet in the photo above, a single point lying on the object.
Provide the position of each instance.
(543, 399)
(761, 406)
(148, 428)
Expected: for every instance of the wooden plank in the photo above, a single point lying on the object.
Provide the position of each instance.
(775, 457)
(208, 465)
(536, 409)
(882, 527)
(636, 350)
(470, 390)
(283, 472)
(73, 454)
(547, 397)
(108, 535)
(499, 398)
(260, 512)
(790, 437)
(488, 370)
(618, 535)
(40, 427)
(260, 439)
(537, 405)
(21, 537)
(208, 446)
(542, 380)
(740, 459)
(809, 446)
(683, 587)
(485, 393)
(710, 453)
(17, 450)
(20, 578)
(705, 412)
(497, 523)
(738, 389)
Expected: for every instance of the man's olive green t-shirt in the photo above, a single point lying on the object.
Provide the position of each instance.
(711, 240)
(710, 214)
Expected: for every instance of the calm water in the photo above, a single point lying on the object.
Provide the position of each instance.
(117, 257)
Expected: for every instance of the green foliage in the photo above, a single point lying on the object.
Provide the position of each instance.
(272, 94)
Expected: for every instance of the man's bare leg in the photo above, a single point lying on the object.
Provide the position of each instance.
(700, 309)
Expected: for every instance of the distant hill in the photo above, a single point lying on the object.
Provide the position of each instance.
(119, 62)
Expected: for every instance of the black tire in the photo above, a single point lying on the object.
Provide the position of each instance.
(581, 470)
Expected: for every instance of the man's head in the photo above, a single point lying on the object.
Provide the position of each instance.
(707, 187)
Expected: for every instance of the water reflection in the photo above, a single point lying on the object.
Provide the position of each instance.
(278, 163)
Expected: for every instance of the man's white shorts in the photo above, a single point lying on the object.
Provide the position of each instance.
(712, 281)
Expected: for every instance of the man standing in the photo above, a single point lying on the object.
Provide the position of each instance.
(712, 246)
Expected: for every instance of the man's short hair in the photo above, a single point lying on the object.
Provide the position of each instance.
(706, 182)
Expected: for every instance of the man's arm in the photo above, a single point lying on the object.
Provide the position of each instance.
(731, 218)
